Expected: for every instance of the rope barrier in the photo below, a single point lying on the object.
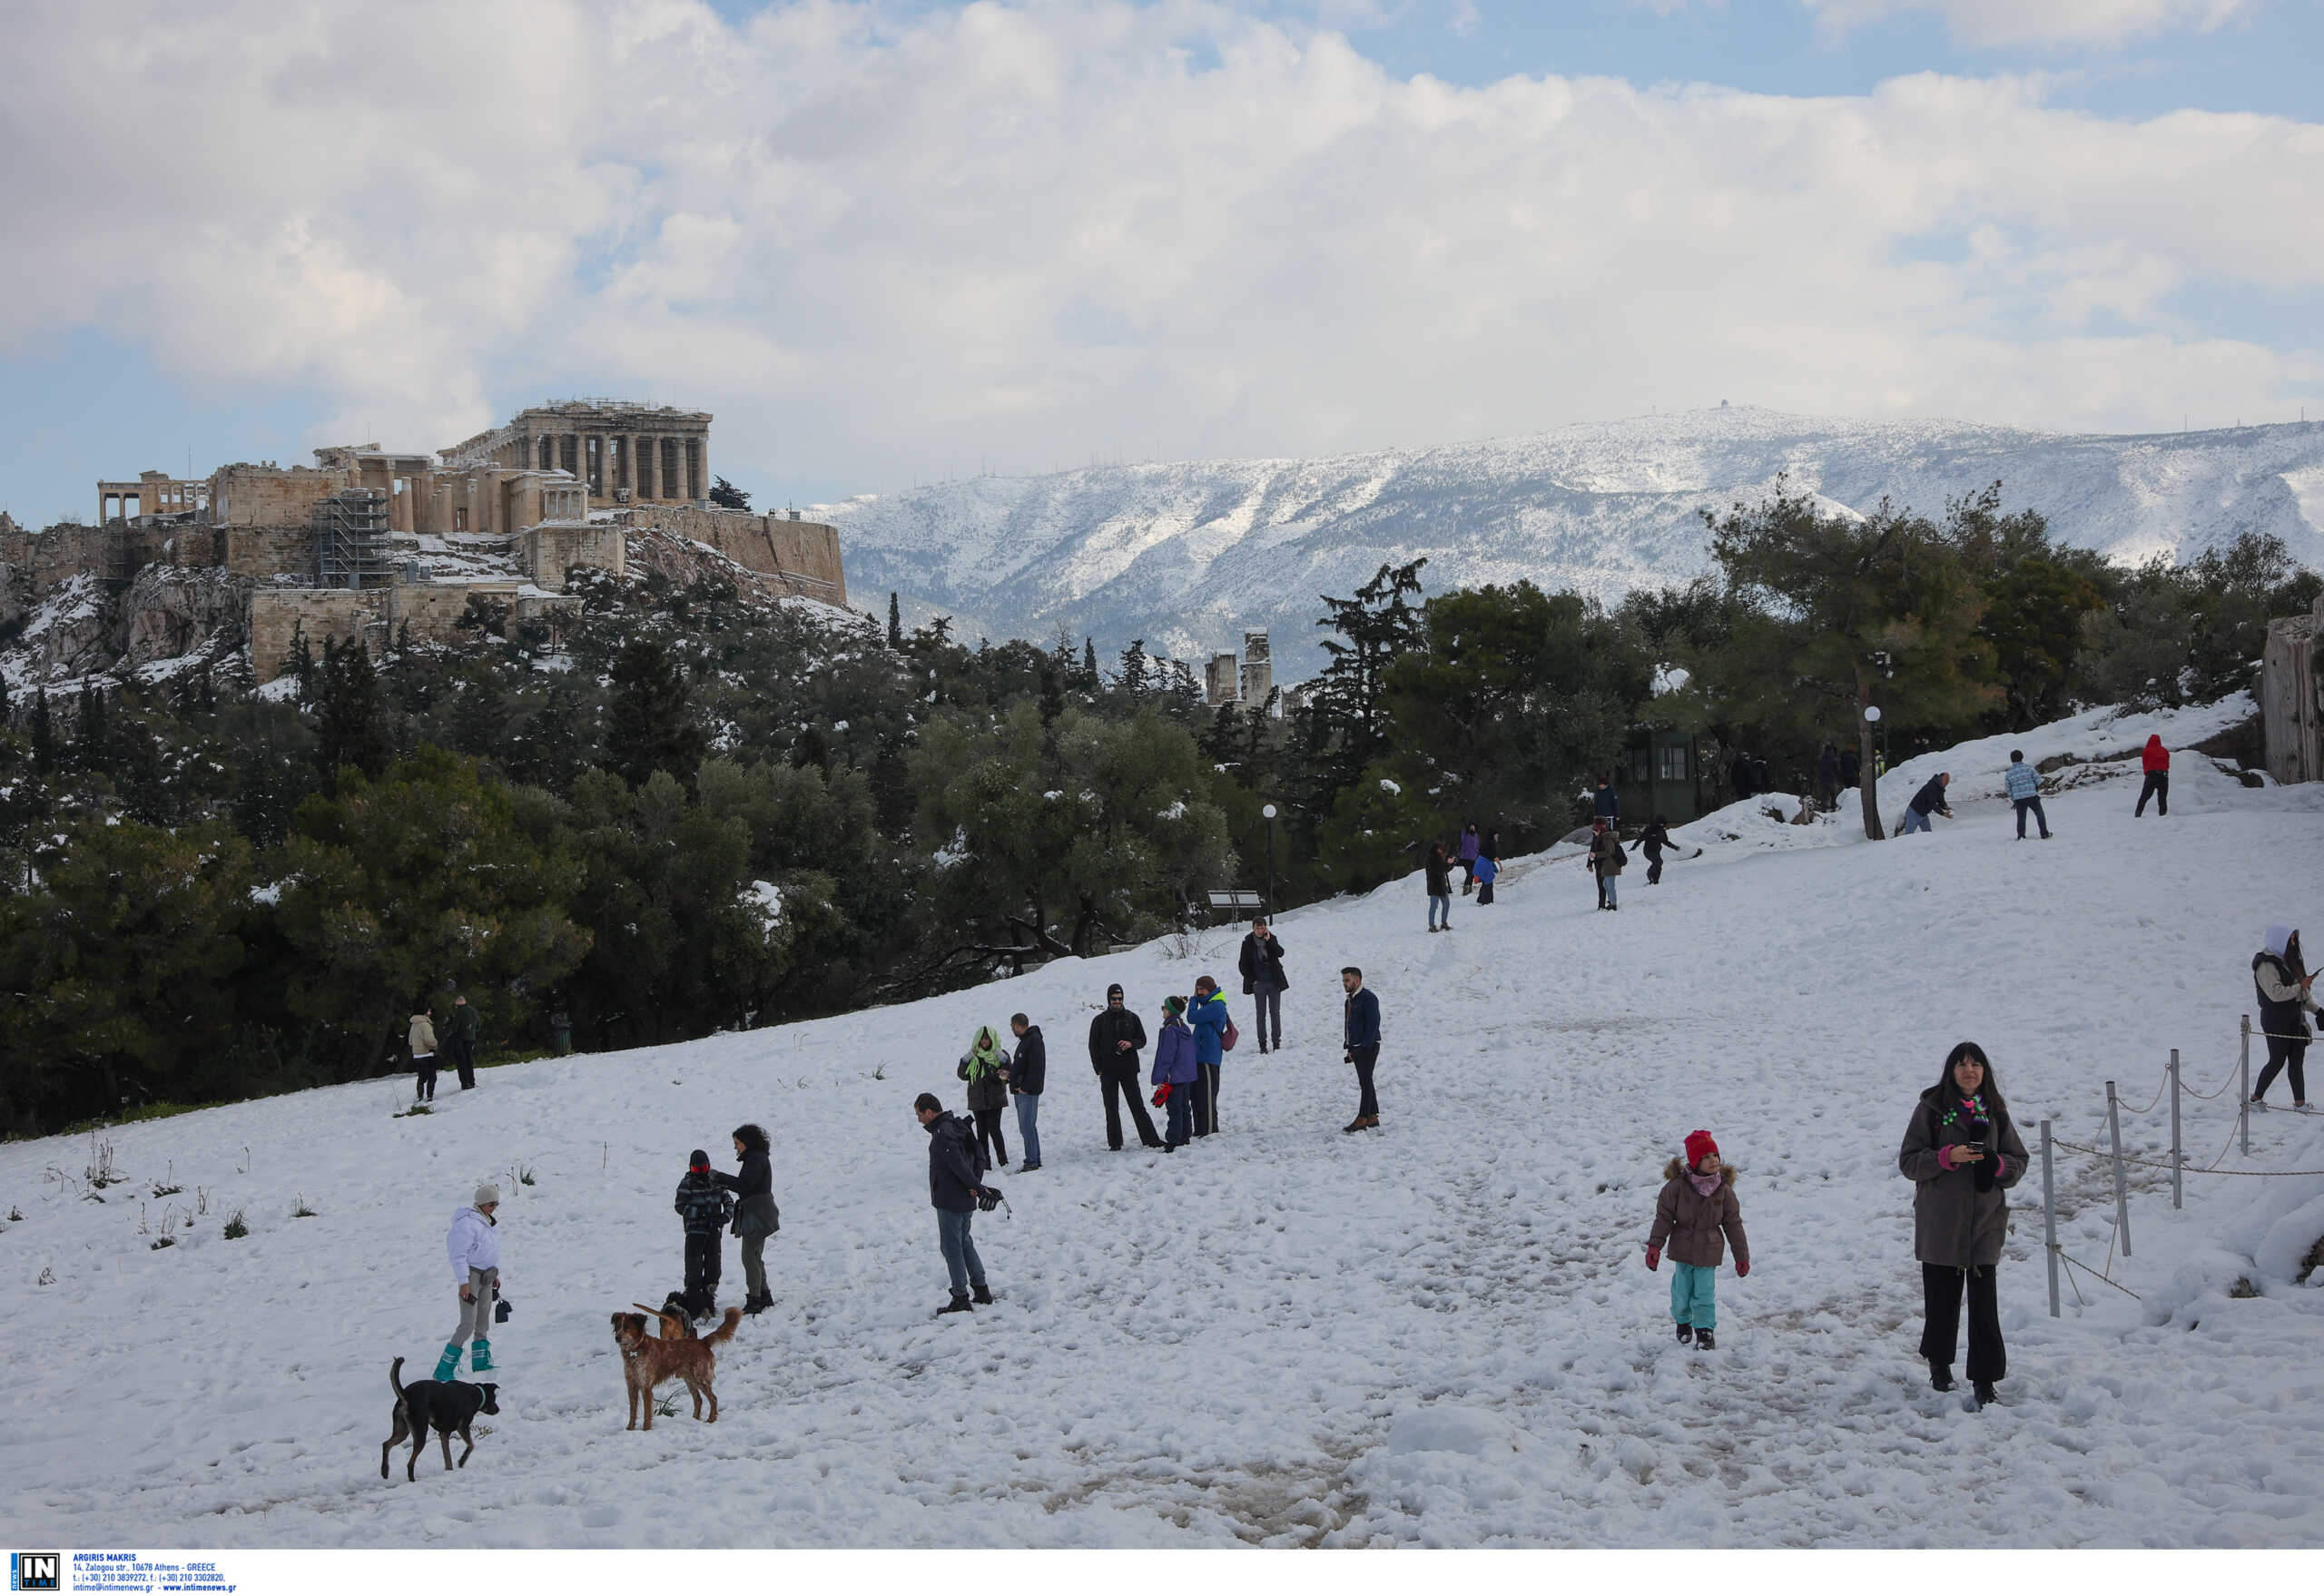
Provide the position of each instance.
(2191, 1169)
(2086, 1270)
(2151, 1102)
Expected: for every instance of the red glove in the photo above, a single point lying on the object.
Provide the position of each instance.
(1742, 1267)
(1162, 1094)
(1944, 1157)
(1654, 1257)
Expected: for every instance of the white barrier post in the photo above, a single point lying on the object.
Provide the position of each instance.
(2178, 1156)
(2050, 1218)
(2121, 1196)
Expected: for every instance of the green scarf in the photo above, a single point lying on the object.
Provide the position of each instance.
(984, 1054)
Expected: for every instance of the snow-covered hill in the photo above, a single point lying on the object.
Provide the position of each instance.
(1438, 1334)
(1186, 555)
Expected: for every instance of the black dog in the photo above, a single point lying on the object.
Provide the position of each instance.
(448, 1405)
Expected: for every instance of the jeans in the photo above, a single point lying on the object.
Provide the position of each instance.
(1440, 903)
(1915, 820)
(2039, 819)
(1269, 1000)
(754, 1265)
(2287, 1054)
(704, 1266)
(1180, 1112)
(960, 1258)
(1367, 1106)
(1606, 888)
(2158, 787)
(1120, 1083)
(988, 1136)
(1694, 1294)
(1028, 1114)
(1940, 1295)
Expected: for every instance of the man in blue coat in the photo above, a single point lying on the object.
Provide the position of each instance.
(1361, 1027)
(1207, 1016)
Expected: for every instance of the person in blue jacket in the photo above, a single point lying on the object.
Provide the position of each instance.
(1207, 1018)
(1174, 1073)
(1605, 804)
(1361, 1027)
(2025, 792)
(1488, 872)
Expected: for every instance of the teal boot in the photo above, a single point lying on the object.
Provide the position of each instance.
(449, 1364)
(480, 1356)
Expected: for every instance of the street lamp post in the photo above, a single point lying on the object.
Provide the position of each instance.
(1269, 812)
(1869, 778)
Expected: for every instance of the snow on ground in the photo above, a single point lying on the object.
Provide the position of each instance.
(1440, 1333)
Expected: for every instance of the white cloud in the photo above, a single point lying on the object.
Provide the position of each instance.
(880, 249)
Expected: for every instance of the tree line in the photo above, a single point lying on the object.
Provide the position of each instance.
(699, 812)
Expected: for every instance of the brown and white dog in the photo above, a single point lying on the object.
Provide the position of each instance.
(646, 1361)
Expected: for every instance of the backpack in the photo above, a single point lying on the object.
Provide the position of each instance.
(1227, 1038)
(1621, 858)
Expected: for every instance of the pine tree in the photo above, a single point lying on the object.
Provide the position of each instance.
(1052, 695)
(349, 729)
(649, 718)
(43, 736)
(92, 743)
(895, 624)
(1347, 707)
(725, 496)
(1132, 678)
(1089, 682)
(302, 667)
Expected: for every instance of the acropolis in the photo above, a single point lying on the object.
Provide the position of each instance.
(368, 543)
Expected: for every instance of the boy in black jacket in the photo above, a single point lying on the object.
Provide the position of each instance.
(705, 1208)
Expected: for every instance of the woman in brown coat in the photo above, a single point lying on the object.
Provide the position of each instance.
(1962, 1153)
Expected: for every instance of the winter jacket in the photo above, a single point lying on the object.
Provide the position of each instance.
(1210, 1022)
(1109, 1027)
(1653, 840)
(1487, 869)
(1956, 1224)
(1438, 870)
(1827, 768)
(753, 1188)
(1468, 854)
(1606, 853)
(422, 1036)
(1693, 1229)
(474, 1244)
(1028, 1068)
(951, 1172)
(1930, 798)
(702, 1205)
(1173, 1056)
(1606, 804)
(980, 1067)
(2156, 756)
(1262, 965)
(2022, 781)
(460, 1025)
(2280, 998)
(1360, 1018)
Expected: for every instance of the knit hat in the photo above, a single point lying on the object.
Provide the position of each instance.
(1699, 1146)
(697, 1159)
(1174, 1006)
(1114, 991)
(487, 1193)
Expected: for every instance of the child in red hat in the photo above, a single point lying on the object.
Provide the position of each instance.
(1696, 1216)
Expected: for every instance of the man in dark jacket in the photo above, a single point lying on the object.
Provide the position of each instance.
(1028, 1073)
(1115, 1035)
(1263, 981)
(1929, 800)
(703, 1208)
(459, 1040)
(952, 1191)
(1607, 804)
(1360, 1026)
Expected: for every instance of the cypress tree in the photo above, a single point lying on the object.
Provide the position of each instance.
(43, 736)
(895, 624)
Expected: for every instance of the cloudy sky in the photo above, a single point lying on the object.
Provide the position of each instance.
(891, 243)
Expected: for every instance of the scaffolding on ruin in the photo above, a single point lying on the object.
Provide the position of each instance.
(351, 544)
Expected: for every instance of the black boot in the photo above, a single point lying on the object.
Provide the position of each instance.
(1685, 1333)
(983, 1294)
(1940, 1376)
(1703, 1342)
(958, 1305)
(1982, 1392)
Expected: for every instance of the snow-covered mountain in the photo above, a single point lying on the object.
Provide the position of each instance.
(1439, 1334)
(1186, 555)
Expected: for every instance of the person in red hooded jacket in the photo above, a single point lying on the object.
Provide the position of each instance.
(2156, 762)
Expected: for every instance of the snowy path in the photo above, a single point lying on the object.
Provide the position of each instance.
(1440, 1334)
